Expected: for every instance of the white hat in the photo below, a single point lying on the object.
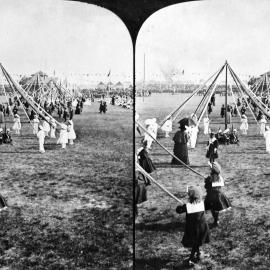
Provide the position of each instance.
(40, 127)
(1, 129)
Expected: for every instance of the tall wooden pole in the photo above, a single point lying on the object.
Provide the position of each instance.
(226, 94)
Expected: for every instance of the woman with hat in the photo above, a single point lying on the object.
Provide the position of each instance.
(196, 229)
(215, 199)
(212, 147)
(180, 139)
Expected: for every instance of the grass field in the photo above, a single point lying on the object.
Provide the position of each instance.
(242, 239)
(69, 209)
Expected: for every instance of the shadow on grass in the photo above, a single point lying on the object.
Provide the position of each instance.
(176, 225)
(158, 264)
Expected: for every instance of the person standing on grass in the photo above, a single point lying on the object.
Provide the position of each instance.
(222, 111)
(35, 124)
(17, 124)
(41, 138)
(267, 138)
(196, 228)
(262, 124)
(46, 125)
(70, 132)
(215, 199)
(180, 149)
(212, 147)
(63, 137)
(244, 124)
(206, 123)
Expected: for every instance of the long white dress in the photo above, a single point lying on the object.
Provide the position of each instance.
(206, 125)
(193, 136)
(35, 126)
(63, 137)
(244, 125)
(267, 140)
(262, 126)
(71, 133)
(17, 125)
(53, 128)
(41, 137)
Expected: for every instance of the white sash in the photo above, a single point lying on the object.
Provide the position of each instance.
(219, 183)
(195, 207)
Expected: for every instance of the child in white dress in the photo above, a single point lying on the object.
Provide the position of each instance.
(46, 125)
(53, 128)
(35, 124)
(63, 137)
(70, 132)
(41, 138)
(17, 124)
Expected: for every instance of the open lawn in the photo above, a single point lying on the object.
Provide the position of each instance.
(242, 239)
(69, 209)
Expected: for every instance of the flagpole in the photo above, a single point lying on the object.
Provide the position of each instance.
(143, 75)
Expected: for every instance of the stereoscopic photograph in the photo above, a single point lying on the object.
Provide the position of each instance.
(66, 147)
(202, 137)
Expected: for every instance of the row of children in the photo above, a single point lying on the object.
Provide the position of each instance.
(67, 133)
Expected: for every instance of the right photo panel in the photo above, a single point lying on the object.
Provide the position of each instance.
(202, 137)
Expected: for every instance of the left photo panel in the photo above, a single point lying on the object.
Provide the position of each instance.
(66, 137)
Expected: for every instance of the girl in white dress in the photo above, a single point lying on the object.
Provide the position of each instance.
(35, 124)
(46, 125)
(63, 137)
(262, 126)
(193, 136)
(70, 132)
(41, 138)
(206, 122)
(244, 124)
(17, 124)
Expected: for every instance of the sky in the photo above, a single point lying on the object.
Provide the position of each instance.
(193, 40)
(68, 37)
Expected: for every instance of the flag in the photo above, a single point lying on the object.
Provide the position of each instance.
(183, 71)
(109, 73)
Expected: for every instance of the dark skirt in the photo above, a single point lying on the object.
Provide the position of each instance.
(196, 230)
(147, 164)
(216, 200)
(181, 151)
(140, 193)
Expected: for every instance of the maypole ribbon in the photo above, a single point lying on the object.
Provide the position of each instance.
(140, 169)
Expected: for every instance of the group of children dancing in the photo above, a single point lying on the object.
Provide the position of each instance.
(197, 230)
